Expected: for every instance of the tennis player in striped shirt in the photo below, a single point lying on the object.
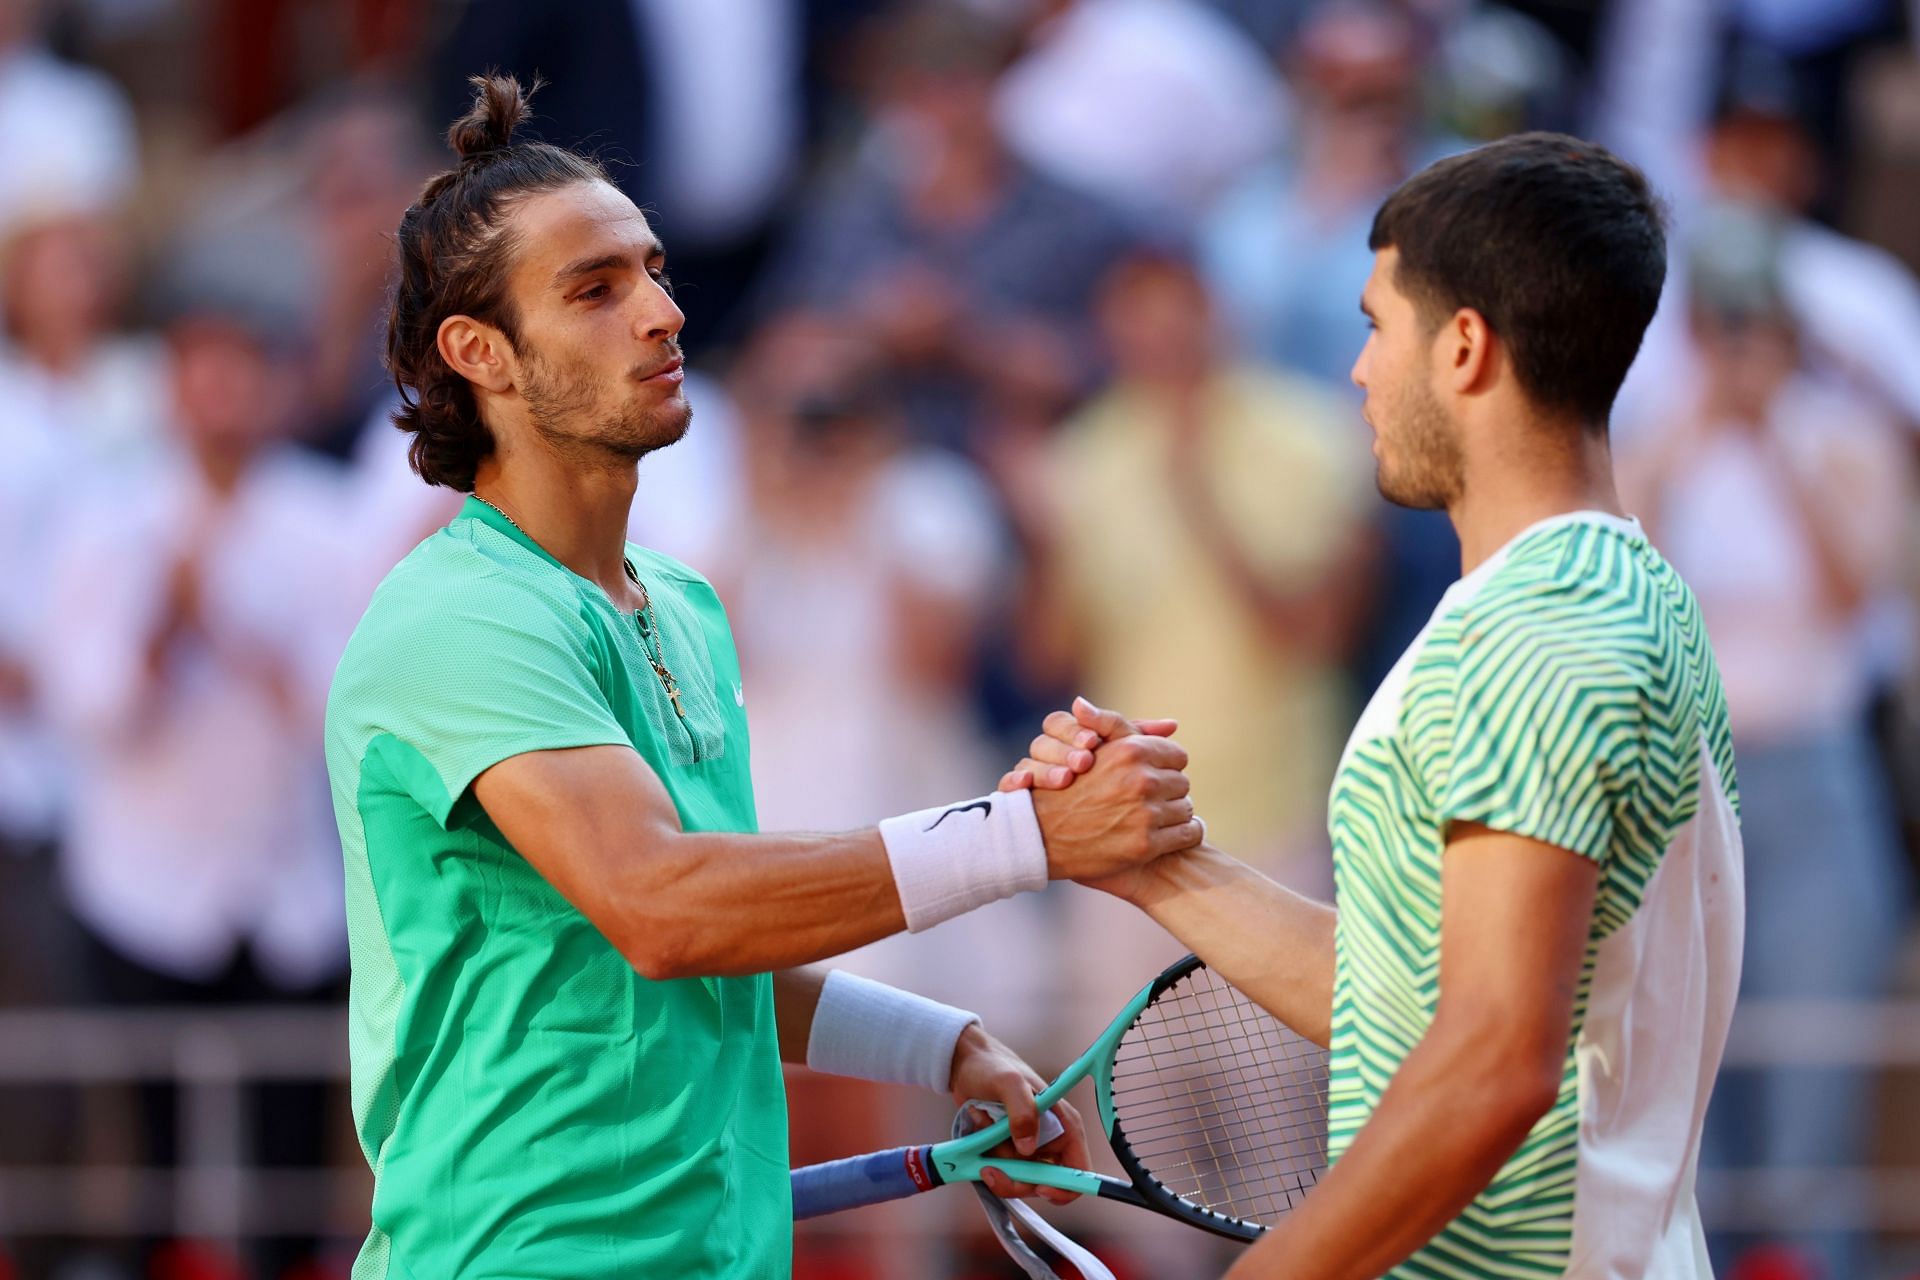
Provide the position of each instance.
(1528, 974)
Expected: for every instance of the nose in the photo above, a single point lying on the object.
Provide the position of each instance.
(660, 316)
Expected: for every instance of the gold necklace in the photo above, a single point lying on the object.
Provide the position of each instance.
(649, 640)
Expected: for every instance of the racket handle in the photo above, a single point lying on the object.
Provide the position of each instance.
(827, 1188)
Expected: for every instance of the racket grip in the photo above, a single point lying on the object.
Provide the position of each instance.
(827, 1188)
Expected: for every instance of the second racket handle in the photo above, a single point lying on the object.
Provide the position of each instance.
(821, 1189)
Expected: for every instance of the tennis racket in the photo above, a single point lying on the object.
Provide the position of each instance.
(1216, 1110)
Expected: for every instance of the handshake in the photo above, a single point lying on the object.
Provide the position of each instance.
(1100, 799)
(1110, 796)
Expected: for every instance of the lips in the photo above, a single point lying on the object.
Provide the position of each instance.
(668, 372)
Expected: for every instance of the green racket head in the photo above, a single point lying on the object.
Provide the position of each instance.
(1216, 1110)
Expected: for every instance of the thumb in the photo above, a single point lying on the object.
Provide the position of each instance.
(1156, 728)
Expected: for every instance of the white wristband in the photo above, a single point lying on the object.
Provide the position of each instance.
(871, 1031)
(948, 861)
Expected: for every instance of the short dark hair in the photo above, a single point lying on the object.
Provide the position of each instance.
(1558, 243)
(455, 250)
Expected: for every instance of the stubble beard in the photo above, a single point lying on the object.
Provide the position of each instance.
(562, 406)
(1420, 465)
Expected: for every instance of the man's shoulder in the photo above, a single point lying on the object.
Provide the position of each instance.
(1579, 573)
(1578, 604)
(661, 565)
(460, 597)
(468, 569)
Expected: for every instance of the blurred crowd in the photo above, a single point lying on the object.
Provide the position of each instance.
(1019, 334)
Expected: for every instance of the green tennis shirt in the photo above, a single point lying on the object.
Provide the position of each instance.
(531, 1106)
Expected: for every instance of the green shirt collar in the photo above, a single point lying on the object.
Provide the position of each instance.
(487, 514)
(474, 509)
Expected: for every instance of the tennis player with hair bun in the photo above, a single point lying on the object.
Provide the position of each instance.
(1528, 979)
(574, 961)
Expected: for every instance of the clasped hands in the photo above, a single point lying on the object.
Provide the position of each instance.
(1111, 795)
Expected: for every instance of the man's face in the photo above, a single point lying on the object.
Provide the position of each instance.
(1157, 321)
(1415, 445)
(62, 280)
(597, 347)
(231, 395)
(1747, 359)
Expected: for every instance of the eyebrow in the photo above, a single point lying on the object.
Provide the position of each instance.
(601, 262)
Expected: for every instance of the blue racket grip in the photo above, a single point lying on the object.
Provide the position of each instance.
(870, 1179)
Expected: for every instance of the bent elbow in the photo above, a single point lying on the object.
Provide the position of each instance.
(658, 964)
(652, 925)
(1534, 1091)
(1514, 1079)
(660, 955)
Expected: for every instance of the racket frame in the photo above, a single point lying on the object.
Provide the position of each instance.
(964, 1159)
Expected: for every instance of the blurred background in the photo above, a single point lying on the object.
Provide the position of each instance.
(1019, 334)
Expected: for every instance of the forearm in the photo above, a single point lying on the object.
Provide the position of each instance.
(598, 824)
(1452, 1116)
(717, 904)
(1273, 944)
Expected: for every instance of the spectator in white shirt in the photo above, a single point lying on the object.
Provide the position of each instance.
(194, 618)
(68, 383)
(189, 632)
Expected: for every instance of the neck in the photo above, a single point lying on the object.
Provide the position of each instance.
(221, 468)
(1504, 495)
(578, 514)
(963, 188)
(57, 350)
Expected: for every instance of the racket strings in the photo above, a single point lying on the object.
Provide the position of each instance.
(1220, 1102)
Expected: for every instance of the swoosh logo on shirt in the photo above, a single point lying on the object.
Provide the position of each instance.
(739, 694)
(985, 807)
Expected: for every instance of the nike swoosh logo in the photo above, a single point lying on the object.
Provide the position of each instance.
(739, 694)
(985, 807)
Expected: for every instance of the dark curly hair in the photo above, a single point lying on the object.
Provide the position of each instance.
(456, 245)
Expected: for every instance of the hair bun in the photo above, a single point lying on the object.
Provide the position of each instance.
(499, 105)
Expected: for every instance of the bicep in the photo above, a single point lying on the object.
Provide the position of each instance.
(577, 816)
(1516, 918)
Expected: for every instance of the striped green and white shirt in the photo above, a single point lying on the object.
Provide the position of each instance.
(1563, 691)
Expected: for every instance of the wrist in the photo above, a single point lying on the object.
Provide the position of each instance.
(971, 1040)
(1164, 878)
(948, 861)
(870, 1031)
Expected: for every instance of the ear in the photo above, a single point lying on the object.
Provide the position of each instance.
(1468, 354)
(477, 352)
